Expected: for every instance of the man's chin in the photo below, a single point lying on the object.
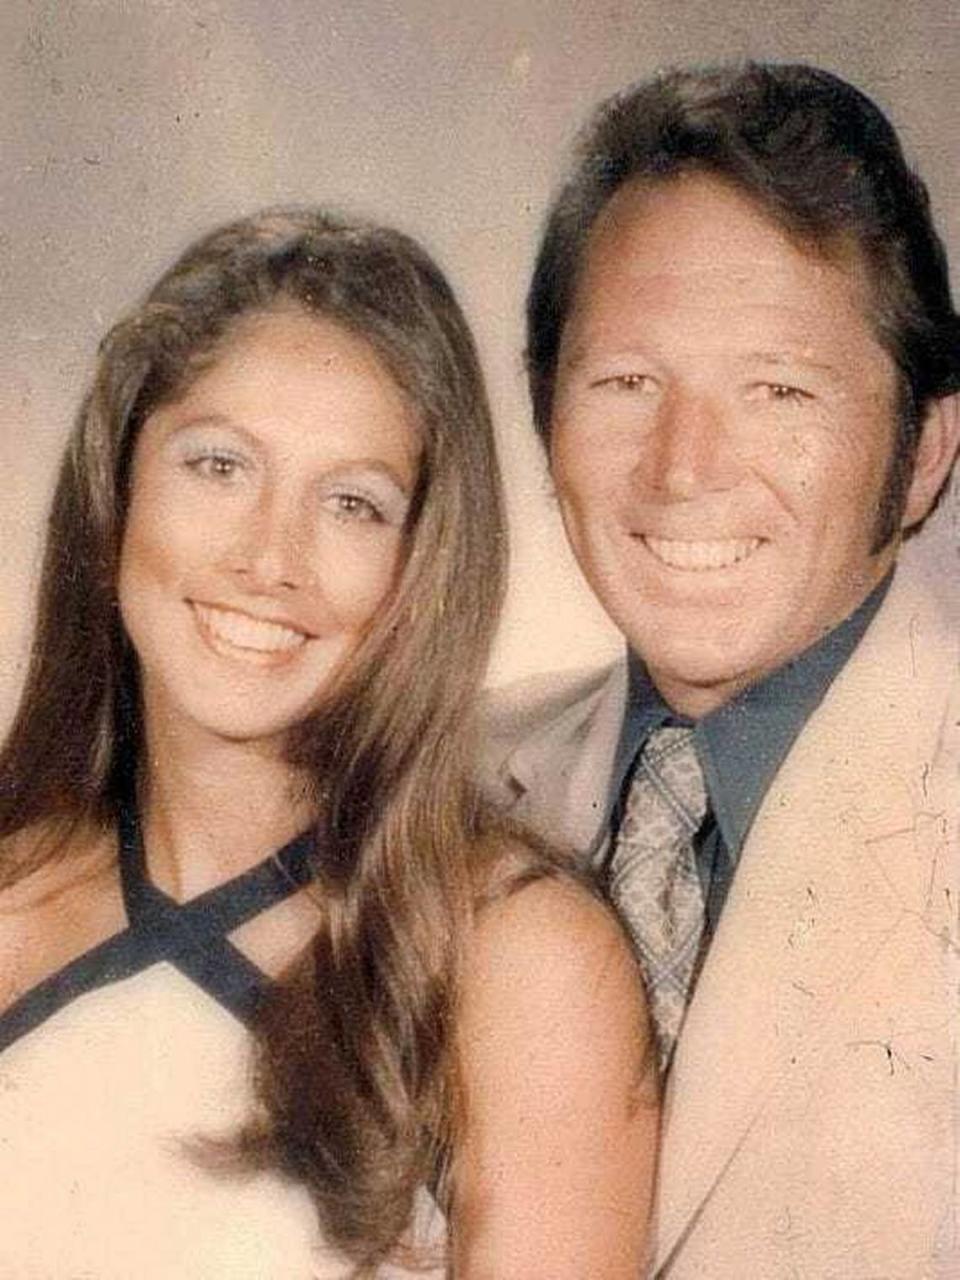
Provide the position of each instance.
(695, 679)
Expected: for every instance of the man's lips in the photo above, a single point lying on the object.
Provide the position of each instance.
(243, 631)
(700, 554)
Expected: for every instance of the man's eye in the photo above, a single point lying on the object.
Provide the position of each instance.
(628, 382)
(354, 506)
(784, 393)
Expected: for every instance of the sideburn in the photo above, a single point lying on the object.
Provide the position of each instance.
(896, 484)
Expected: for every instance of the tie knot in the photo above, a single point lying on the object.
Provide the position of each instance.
(666, 740)
(669, 757)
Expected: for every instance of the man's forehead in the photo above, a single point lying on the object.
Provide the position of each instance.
(723, 220)
(699, 242)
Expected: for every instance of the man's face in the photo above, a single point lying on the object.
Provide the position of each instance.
(722, 427)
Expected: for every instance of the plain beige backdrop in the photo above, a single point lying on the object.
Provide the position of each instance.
(129, 126)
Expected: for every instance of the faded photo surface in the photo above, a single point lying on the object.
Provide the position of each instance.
(128, 129)
(821, 1039)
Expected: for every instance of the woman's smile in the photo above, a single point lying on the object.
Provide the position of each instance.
(238, 634)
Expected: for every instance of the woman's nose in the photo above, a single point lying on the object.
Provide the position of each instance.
(270, 552)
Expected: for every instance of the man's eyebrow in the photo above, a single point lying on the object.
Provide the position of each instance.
(581, 353)
(779, 358)
(571, 357)
(578, 354)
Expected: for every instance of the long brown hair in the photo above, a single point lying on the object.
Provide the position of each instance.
(355, 1046)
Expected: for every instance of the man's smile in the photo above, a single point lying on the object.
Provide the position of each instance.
(700, 554)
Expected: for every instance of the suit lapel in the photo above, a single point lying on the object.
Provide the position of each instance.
(561, 773)
(811, 904)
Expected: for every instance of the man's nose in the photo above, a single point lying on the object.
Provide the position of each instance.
(691, 449)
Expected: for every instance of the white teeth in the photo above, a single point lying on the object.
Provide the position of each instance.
(714, 553)
(244, 632)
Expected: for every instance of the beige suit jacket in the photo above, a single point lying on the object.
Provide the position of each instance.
(811, 1125)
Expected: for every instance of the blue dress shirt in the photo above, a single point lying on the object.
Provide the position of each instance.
(740, 745)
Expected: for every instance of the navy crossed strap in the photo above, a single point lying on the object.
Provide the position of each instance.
(193, 935)
(190, 935)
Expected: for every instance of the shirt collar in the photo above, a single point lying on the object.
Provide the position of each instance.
(742, 744)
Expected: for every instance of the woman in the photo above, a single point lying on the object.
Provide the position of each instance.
(272, 576)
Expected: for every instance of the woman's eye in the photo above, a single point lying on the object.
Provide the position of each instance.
(215, 466)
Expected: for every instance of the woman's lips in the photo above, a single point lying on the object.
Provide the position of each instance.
(243, 632)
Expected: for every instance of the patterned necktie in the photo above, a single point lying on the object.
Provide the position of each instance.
(653, 877)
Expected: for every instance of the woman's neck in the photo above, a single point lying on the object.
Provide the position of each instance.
(212, 808)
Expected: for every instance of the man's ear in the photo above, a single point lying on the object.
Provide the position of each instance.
(936, 450)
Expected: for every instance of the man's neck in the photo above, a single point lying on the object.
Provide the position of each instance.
(691, 702)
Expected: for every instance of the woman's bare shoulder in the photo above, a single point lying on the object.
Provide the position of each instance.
(554, 919)
(51, 858)
(64, 901)
(554, 1172)
(542, 919)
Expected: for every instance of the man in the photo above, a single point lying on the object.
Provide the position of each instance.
(744, 364)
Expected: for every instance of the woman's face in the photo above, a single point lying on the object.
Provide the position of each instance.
(265, 525)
